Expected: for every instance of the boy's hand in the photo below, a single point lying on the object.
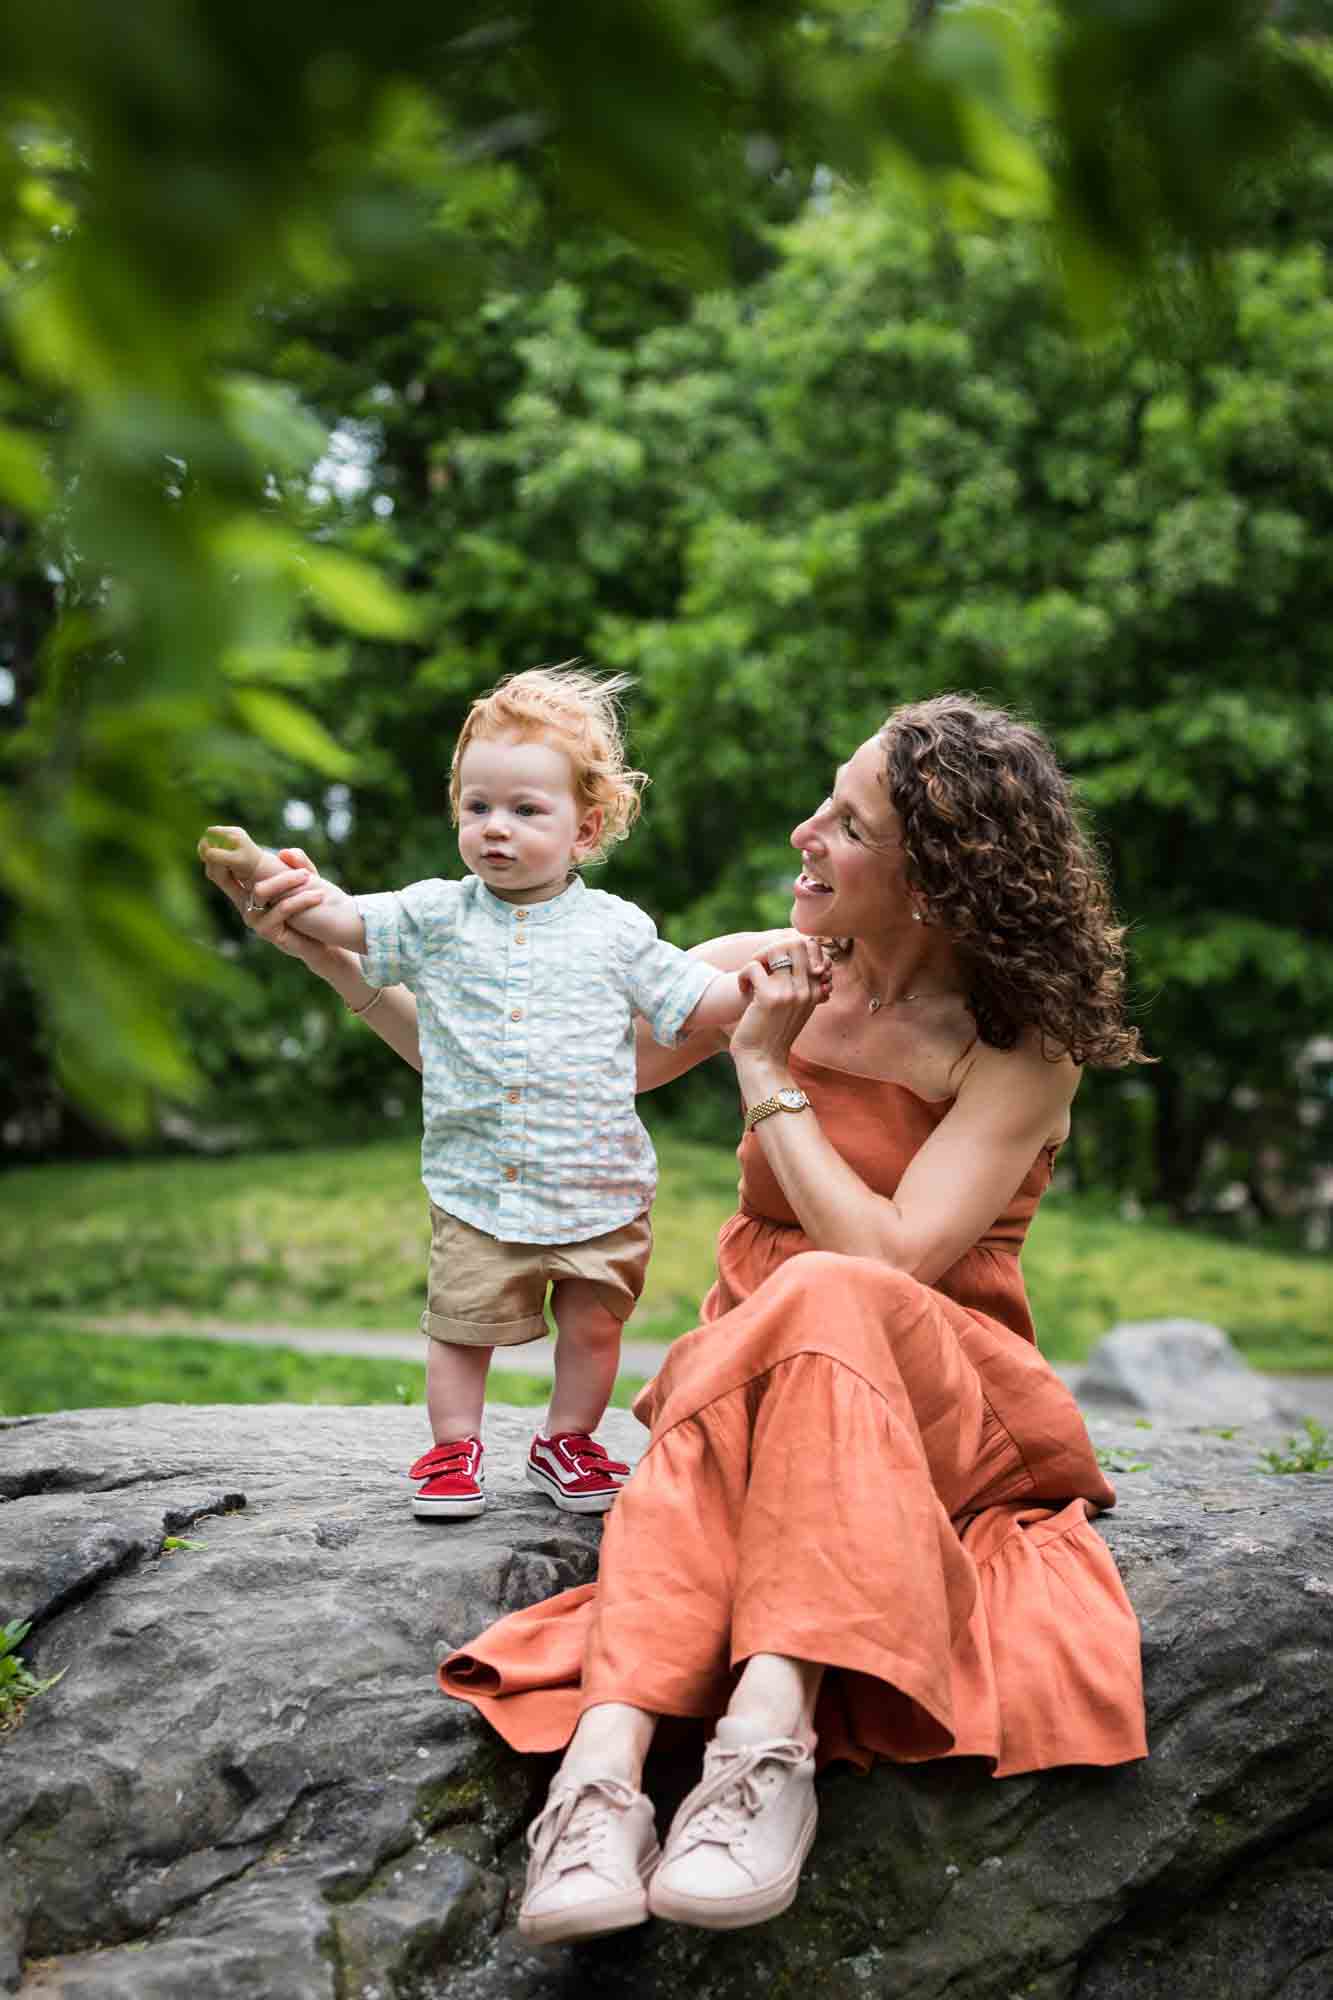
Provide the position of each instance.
(283, 890)
(310, 905)
(276, 926)
(808, 955)
(231, 847)
(784, 984)
(731, 993)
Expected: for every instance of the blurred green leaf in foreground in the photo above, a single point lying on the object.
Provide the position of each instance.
(174, 182)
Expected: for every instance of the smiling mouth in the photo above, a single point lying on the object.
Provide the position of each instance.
(807, 885)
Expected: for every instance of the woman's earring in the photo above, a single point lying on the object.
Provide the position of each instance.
(916, 916)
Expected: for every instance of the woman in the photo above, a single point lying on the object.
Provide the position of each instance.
(861, 1527)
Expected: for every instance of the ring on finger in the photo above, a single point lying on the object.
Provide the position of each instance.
(252, 906)
(782, 963)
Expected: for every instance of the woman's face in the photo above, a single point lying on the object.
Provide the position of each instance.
(852, 881)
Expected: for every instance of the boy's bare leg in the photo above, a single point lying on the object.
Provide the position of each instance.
(455, 1389)
(587, 1354)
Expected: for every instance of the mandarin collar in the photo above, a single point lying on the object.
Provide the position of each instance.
(551, 911)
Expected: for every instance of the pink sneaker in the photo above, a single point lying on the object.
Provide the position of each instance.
(575, 1471)
(592, 1851)
(453, 1488)
(734, 1853)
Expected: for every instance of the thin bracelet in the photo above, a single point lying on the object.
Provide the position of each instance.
(373, 1001)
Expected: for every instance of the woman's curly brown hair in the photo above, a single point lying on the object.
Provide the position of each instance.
(997, 855)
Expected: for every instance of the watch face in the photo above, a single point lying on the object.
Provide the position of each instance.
(793, 1100)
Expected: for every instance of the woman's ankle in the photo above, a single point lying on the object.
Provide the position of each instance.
(778, 1695)
(611, 1741)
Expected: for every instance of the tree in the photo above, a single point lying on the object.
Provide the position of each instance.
(888, 468)
(171, 178)
(942, 489)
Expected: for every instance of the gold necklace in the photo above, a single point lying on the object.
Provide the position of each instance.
(875, 1001)
(935, 993)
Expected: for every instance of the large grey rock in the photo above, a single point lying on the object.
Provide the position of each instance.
(247, 1784)
(1180, 1369)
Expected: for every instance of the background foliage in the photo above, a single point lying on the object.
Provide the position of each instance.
(350, 358)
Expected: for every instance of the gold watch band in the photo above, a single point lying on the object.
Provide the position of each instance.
(768, 1105)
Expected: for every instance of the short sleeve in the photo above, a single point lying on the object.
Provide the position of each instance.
(404, 928)
(665, 985)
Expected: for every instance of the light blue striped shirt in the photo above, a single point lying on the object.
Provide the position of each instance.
(527, 1049)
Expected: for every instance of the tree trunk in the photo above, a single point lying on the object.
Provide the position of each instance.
(1181, 1131)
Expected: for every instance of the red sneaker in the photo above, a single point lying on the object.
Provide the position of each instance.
(575, 1471)
(453, 1488)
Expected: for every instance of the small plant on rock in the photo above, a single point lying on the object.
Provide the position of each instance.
(1116, 1459)
(17, 1685)
(1312, 1453)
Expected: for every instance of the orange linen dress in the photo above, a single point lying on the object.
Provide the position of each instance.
(848, 1466)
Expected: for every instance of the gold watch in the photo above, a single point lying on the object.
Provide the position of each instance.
(787, 1099)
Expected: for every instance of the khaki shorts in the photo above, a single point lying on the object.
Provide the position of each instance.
(484, 1293)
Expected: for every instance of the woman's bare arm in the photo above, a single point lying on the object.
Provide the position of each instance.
(1009, 1105)
(393, 1017)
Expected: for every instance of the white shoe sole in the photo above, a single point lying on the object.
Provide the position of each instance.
(573, 1503)
(448, 1510)
(735, 1912)
(588, 1920)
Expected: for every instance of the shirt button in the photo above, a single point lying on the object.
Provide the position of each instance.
(516, 1014)
(514, 1095)
(511, 1173)
(520, 916)
(520, 937)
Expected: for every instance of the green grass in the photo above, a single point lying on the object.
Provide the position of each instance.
(59, 1369)
(338, 1237)
(329, 1237)
(1086, 1269)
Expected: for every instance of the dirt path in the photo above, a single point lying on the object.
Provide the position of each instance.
(640, 1358)
(1301, 1395)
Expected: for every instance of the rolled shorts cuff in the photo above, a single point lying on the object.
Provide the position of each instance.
(613, 1298)
(482, 1333)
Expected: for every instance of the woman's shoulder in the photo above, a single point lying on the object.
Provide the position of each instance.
(1031, 1077)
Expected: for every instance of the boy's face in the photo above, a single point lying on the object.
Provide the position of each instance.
(520, 825)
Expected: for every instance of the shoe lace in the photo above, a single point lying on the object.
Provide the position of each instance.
(729, 1794)
(588, 1455)
(457, 1455)
(574, 1821)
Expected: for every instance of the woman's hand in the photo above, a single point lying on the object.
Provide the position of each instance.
(290, 885)
(785, 984)
(275, 898)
